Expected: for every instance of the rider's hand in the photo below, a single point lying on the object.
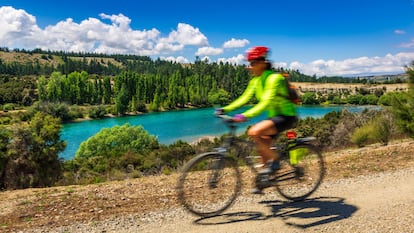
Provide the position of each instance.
(219, 111)
(239, 118)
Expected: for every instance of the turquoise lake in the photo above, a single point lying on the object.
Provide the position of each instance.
(185, 125)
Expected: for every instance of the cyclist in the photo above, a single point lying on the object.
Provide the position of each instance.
(271, 91)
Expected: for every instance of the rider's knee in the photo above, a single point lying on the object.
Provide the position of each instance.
(253, 132)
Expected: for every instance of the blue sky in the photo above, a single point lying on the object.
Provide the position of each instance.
(317, 37)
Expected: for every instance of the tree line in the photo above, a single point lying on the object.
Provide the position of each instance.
(137, 83)
(100, 64)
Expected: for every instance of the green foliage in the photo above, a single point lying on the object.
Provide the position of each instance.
(121, 102)
(55, 109)
(310, 98)
(115, 141)
(377, 129)
(97, 112)
(369, 99)
(382, 129)
(336, 129)
(75, 112)
(4, 142)
(354, 99)
(124, 150)
(32, 154)
(403, 105)
(361, 135)
(8, 107)
(220, 97)
(175, 154)
(17, 90)
(386, 99)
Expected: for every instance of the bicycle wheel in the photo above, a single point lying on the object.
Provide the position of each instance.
(209, 184)
(301, 175)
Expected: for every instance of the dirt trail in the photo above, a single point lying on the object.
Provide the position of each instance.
(375, 203)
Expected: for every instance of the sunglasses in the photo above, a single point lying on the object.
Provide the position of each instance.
(255, 62)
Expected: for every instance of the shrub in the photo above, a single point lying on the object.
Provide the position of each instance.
(378, 129)
(382, 129)
(361, 135)
(8, 107)
(97, 112)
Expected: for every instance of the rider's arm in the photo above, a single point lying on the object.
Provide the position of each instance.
(268, 95)
(244, 98)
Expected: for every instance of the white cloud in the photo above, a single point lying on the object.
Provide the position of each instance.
(206, 59)
(187, 35)
(209, 51)
(400, 32)
(117, 20)
(179, 59)
(408, 44)
(236, 60)
(19, 30)
(235, 43)
(17, 27)
(353, 67)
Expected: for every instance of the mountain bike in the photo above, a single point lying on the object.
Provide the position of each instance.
(210, 182)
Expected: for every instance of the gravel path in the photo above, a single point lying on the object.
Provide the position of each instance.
(381, 202)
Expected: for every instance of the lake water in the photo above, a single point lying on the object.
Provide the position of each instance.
(186, 125)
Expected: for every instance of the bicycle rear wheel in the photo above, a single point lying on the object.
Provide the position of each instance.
(209, 184)
(301, 175)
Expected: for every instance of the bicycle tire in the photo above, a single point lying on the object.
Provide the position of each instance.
(298, 179)
(202, 197)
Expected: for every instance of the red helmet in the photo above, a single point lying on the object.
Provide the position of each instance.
(257, 52)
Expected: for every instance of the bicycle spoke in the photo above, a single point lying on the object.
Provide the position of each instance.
(209, 185)
(298, 181)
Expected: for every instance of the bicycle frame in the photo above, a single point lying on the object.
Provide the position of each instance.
(282, 148)
(232, 139)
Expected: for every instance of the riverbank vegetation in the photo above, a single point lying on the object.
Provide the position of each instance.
(37, 97)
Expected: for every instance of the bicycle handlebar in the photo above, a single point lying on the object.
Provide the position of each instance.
(228, 121)
(226, 118)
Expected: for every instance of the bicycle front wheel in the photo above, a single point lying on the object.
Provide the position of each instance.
(301, 172)
(209, 184)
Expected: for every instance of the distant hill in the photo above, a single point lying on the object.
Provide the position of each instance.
(54, 59)
(49, 59)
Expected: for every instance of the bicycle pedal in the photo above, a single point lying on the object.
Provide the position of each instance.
(263, 181)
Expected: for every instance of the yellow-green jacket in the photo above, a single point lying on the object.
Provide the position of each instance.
(271, 92)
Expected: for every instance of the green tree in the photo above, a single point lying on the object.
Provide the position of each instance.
(385, 100)
(42, 88)
(32, 156)
(121, 101)
(117, 140)
(220, 97)
(115, 148)
(309, 98)
(403, 108)
(107, 93)
(368, 100)
(4, 142)
(354, 99)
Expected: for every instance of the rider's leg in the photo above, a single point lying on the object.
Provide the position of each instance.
(260, 134)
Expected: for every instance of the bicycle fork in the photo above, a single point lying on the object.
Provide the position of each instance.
(216, 166)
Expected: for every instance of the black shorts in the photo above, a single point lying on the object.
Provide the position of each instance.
(283, 123)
